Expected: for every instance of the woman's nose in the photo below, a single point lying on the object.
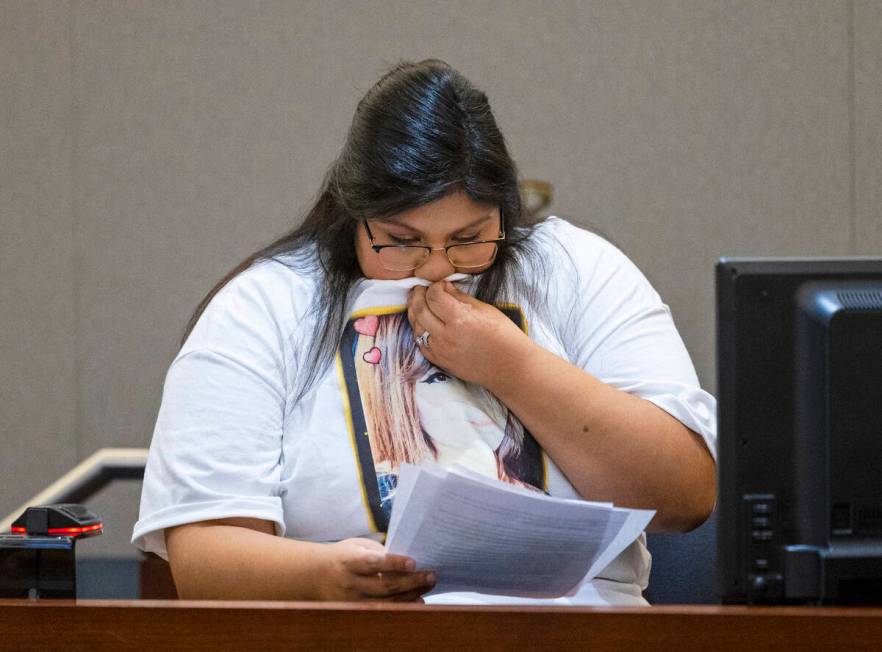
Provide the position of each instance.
(436, 267)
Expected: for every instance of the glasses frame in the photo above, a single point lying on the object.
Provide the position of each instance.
(429, 249)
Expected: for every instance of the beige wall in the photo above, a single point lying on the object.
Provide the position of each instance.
(146, 147)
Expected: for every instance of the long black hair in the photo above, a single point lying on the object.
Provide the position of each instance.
(421, 132)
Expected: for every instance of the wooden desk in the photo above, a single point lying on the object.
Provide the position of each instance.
(172, 625)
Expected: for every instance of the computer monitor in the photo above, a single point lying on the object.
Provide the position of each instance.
(799, 368)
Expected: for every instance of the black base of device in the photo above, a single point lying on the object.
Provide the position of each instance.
(34, 566)
(842, 574)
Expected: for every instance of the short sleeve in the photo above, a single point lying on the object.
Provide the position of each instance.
(618, 329)
(217, 445)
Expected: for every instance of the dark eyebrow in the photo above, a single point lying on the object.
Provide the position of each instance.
(396, 222)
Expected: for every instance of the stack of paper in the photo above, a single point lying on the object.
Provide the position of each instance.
(487, 536)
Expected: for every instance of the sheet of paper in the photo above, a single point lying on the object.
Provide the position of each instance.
(479, 536)
(428, 480)
(406, 479)
(505, 486)
(625, 526)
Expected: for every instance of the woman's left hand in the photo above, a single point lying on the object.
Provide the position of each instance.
(471, 339)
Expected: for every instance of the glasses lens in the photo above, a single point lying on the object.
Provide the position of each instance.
(402, 259)
(472, 255)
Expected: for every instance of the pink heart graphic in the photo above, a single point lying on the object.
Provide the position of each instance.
(367, 325)
(373, 356)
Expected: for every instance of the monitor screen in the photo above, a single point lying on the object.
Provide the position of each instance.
(799, 369)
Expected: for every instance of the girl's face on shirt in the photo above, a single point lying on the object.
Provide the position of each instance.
(451, 415)
(454, 219)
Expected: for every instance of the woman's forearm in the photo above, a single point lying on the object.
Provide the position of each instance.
(219, 561)
(611, 445)
(243, 559)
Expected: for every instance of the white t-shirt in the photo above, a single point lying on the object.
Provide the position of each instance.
(230, 440)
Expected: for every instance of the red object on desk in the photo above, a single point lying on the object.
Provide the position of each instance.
(64, 531)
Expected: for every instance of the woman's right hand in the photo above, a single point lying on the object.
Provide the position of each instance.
(361, 569)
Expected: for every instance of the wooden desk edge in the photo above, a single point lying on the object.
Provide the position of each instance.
(656, 610)
(154, 624)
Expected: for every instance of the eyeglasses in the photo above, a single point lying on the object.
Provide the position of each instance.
(468, 255)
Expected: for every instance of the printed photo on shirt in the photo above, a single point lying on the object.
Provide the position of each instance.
(404, 409)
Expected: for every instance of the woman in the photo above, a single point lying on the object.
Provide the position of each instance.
(253, 489)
